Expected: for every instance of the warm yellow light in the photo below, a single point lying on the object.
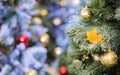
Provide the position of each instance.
(31, 72)
(63, 3)
(75, 2)
(37, 20)
(43, 12)
(57, 21)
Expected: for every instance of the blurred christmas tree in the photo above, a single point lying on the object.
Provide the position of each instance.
(64, 60)
(27, 29)
(54, 17)
(22, 39)
(95, 38)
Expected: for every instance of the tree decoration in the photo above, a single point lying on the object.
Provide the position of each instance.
(96, 57)
(63, 3)
(37, 20)
(85, 14)
(31, 72)
(43, 12)
(63, 70)
(57, 21)
(57, 51)
(44, 39)
(23, 39)
(94, 37)
(109, 58)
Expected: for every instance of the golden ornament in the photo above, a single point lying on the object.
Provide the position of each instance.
(31, 72)
(109, 58)
(96, 57)
(37, 20)
(43, 12)
(57, 51)
(57, 21)
(85, 14)
(44, 39)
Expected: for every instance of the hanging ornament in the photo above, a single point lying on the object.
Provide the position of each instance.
(39, 1)
(57, 51)
(37, 20)
(63, 70)
(63, 3)
(43, 12)
(31, 72)
(85, 14)
(23, 39)
(96, 57)
(57, 21)
(44, 39)
(109, 58)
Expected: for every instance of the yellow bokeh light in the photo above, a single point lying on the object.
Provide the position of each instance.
(43, 12)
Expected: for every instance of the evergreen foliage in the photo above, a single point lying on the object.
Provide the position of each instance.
(106, 20)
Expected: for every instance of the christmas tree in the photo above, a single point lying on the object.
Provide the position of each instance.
(94, 32)
(22, 39)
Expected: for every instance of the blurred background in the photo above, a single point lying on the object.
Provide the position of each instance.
(32, 36)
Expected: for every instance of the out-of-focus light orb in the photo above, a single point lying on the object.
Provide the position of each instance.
(44, 39)
(37, 20)
(63, 3)
(43, 12)
(31, 72)
(57, 21)
(57, 51)
(75, 2)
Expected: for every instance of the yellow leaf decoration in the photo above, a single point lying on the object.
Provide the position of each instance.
(94, 37)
